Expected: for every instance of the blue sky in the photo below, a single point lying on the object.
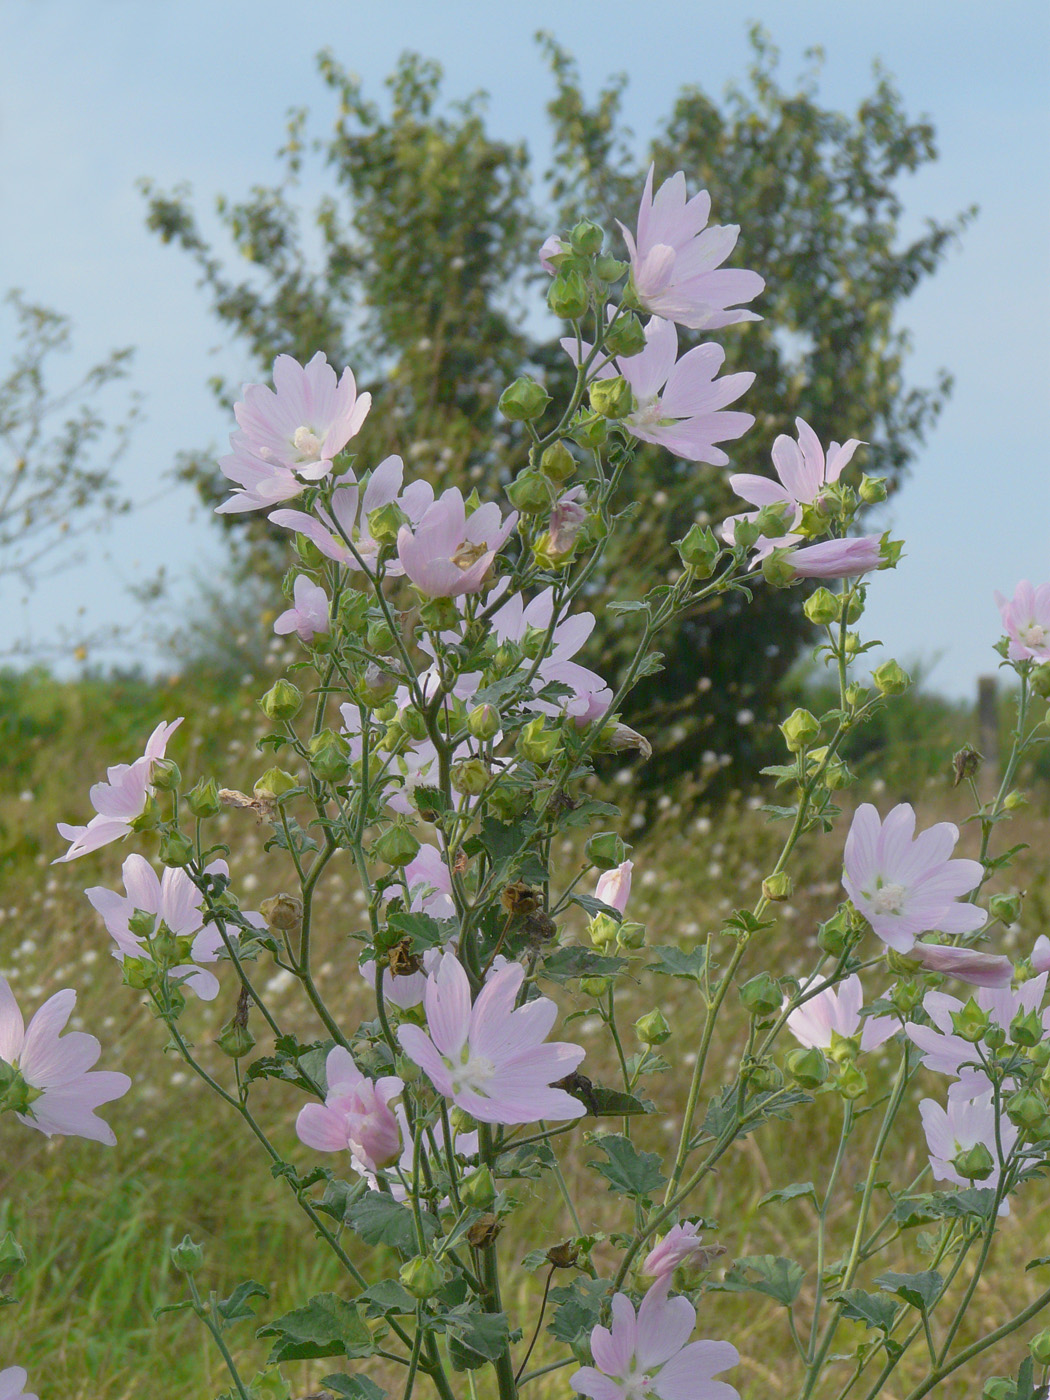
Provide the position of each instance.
(95, 94)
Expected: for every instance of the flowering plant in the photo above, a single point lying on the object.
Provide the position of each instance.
(438, 737)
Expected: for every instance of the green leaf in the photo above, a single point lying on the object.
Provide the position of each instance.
(614, 1103)
(353, 1387)
(678, 962)
(724, 1116)
(235, 1308)
(327, 1326)
(529, 1161)
(566, 963)
(475, 1338)
(380, 1220)
(586, 813)
(629, 1171)
(789, 1193)
(651, 665)
(422, 930)
(577, 1307)
(870, 1308)
(909, 1211)
(387, 1296)
(1037, 1263)
(777, 1278)
(626, 607)
(918, 1290)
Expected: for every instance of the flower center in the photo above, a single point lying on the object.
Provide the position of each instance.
(637, 1384)
(889, 899)
(307, 444)
(472, 1073)
(1033, 634)
(468, 554)
(650, 415)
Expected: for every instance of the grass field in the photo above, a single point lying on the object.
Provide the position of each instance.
(96, 1223)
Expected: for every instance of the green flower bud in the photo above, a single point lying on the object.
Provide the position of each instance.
(523, 401)
(412, 723)
(799, 730)
(836, 935)
(971, 1023)
(530, 492)
(1039, 1347)
(139, 973)
(308, 552)
(808, 1068)
(774, 521)
(203, 799)
(568, 296)
(873, 490)
(329, 757)
(142, 923)
(235, 1039)
(610, 269)
(16, 1095)
(276, 783)
(1013, 801)
(149, 818)
(766, 1077)
(605, 850)
(625, 336)
(778, 887)
(1027, 1110)
(589, 430)
(12, 1256)
(762, 995)
(906, 995)
(890, 679)
(777, 568)
(407, 1070)
(282, 701)
(461, 1120)
(1026, 1028)
(470, 777)
(422, 1276)
(975, 1164)
(587, 238)
(699, 550)
(595, 986)
(1040, 1054)
(375, 687)
(478, 1190)
(631, 935)
(165, 774)
(484, 722)
(187, 1256)
(283, 912)
(538, 744)
(602, 930)
(1039, 680)
(509, 804)
(822, 607)
(746, 533)
(996, 1037)
(176, 850)
(384, 522)
(850, 1081)
(652, 1028)
(612, 398)
(440, 614)
(998, 1388)
(1005, 907)
(379, 637)
(557, 462)
(353, 612)
(397, 845)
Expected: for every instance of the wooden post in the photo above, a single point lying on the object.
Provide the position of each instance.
(988, 732)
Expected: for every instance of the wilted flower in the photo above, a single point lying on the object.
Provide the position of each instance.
(449, 552)
(57, 1067)
(1026, 618)
(308, 614)
(490, 1058)
(647, 1354)
(675, 259)
(355, 1115)
(119, 800)
(836, 1010)
(905, 886)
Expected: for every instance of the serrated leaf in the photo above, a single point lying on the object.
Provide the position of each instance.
(678, 962)
(723, 1114)
(1037, 1263)
(421, 930)
(872, 1309)
(789, 1193)
(564, 964)
(587, 812)
(529, 1161)
(475, 1338)
(326, 1326)
(909, 1211)
(917, 1290)
(235, 1308)
(380, 1220)
(353, 1387)
(387, 1296)
(629, 1171)
(778, 1278)
(577, 1307)
(779, 814)
(651, 665)
(614, 1103)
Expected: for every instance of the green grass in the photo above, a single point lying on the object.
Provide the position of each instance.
(97, 1223)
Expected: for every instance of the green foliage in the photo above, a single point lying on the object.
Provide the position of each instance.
(326, 1326)
(428, 234)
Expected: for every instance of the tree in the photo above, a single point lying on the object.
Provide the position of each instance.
(420, 186)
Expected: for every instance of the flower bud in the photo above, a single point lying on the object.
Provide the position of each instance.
(602, 930)
(612, 398)
(276, 783)
(843, 1048)
(631, 935)
(282, 701)
(1039, 1347)
(610, 269)
(307, 551)
(470, 777)
(384, 523)
(746, 533)
(235, 1039)
(998, 1388)
(176, 850)
(1005, 907)
(1040, 1054)
(906, 995)
(822, 607)
(587, 238)
(605, 850)
(379, 637)
(12, 1256)
(808, 1068)
(1015, 800)
(15, 1094)
(996, 1037)
(777, 887)
(595, 986)
(850, 1081)
(283, 912)
(872, 490)
(774, 520)
(970, 1023)
(478, 1190)
(557, 462)
(484, 722)
(523, 401)
(149, 818)
(799, 730)
(567, 295)
(165, 774)
(509, 804)
(699, 550)
(761, 994)
(329, 757)
(397, 845)
(538, 744)
(530, 492)
(203, 798)
(890, 679)
(652, 1028)
(766, 1077)
(625, 336)
(1027, 1110)
(1039, 680)
(965, 763)
(589, 430)
(777, 568)
(836, 935)
(187, 1256)
(422, 1276)
(375, 687)
(975, 1164)
(1026, 1028)
(461, 1120)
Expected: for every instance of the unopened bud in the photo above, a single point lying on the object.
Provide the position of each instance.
(777, 568)
(625, 336)
(773, 521)
(890, 679)
(799, 730)
(461, 1120)
(612, 398)
(376, 686)
(1027, 1110)
(397, 846)
(470, 777)
(602, 930)
(478, 1190)
(1005, 907)
(203, 799)
(149, 818)
(652, 1028)
(308, 552)
(1015, 799)
(384, 523)
(850, 1081)
(187, 1256)
(589, 429)
(906, 995)
(557, 462)
(835, 935)
(699, 550)
(1039, 680)
(777, 887)
(631, 935)
(762, 994)
(595, 986)
(975, 1164)
(329, 757)
(484, 722)
(530, 492)
(235, 1039)
(176, 850)
(567, 295)
(282, 701)
(422, 1276)
(538, 744)
(1027, 1028)
(282, 911)
(970, 1023)
(872, 490)
(1039, 1347)
(605, 850)
(965, 764)
(523, 401)
(275, 783)
(165, 774)
(379, 637)
(610, 269)
(808, 1068)
(822, 607)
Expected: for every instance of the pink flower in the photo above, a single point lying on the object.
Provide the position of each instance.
(1026, 618)
(837, 558)
(964, 1124)
(590, 695)
(568, 518)
(13, 1384)
(308, 614)
(674, 261)
(175, 901)
(1040, 957)
(835, 1010)
(803, 473)
(490, 1058)
(355, 1115)
(965, 964)
(680, 403)
(119, 800)
(429, 882)
(449, 552)
(552, 247)
(57, 1066)
(680, 1244)
(905, 886)
(290, 437)
(647, 1354)
(614, 886)
(944, 1052)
